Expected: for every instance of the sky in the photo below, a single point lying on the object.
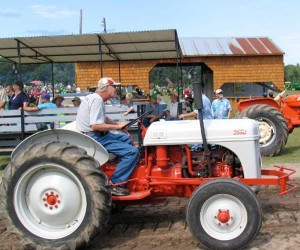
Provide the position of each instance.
(277, 19)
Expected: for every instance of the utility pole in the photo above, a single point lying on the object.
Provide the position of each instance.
(103, 23)
(80, 23)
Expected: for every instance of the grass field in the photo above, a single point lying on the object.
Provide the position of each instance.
(4, 159)
(291, 152)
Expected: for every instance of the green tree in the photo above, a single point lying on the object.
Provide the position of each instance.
(159, 74)
(7, 75)
(63, 72)
(292, 73)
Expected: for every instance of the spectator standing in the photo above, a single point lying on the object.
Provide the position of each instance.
(92, 121)
(3, 97)
(221, 107)
(172, 107)
(19, 99)
(76, 101)
(207, 114)
(46, 104)
(157, 112)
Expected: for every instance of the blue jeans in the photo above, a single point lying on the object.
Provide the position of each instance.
(121, 146)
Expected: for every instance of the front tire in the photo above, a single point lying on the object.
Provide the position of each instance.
(55, 196)
(224, 214)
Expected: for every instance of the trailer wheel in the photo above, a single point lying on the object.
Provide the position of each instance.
(55, 196)
(272, 127)
(224, 214)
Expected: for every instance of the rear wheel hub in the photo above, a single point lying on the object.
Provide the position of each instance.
(223, 216)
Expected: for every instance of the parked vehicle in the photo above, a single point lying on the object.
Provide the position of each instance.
(277, 118)
(55, 189)
(292, 86)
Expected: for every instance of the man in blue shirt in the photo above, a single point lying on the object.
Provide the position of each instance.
(207, 115)
(221, 107)
(46, 104)
(158, 111)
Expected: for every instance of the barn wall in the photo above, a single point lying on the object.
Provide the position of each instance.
(225, 69)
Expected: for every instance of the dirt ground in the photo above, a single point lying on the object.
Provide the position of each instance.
(163, 226)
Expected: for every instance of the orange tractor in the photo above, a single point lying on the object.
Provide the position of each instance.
(277, 118)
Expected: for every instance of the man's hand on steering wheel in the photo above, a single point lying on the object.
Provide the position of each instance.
(140, 118)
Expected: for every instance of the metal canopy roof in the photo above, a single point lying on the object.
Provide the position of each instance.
(125, 46)
(199, 46)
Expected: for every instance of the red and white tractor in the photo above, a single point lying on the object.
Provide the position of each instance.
(55, 189)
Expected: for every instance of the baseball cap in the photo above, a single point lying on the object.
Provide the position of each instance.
(45, 96)
(107, 81)
(219, 91)
(154, 96)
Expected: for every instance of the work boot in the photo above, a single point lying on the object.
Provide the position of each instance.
(118, 191)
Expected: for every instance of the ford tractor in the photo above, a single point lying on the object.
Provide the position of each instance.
(55, 189)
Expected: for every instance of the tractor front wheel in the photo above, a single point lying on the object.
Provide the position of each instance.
(55, 196)
(224, 214)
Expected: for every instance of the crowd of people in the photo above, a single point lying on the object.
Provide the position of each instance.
(19, 96)
(33, 98)
(220, 108)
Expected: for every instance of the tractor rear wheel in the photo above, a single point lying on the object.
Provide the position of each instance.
(272, 127)
(224, 214)
(55, 196)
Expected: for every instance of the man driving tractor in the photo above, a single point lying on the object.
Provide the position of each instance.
(92, 121)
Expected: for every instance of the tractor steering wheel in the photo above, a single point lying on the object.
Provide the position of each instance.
(129, 124)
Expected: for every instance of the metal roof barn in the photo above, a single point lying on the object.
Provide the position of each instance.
(199, 46)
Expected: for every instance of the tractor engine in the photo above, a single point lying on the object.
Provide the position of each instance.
(223, 163)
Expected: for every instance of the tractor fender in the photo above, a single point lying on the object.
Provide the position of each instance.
(243, 104)
(92, 147)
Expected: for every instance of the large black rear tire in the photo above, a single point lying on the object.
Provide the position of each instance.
(272, 127)
(55, 196)
(224, 214)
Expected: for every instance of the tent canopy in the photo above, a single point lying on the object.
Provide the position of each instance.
(125, 46)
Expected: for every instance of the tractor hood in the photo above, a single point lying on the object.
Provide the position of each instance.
(188, 132)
